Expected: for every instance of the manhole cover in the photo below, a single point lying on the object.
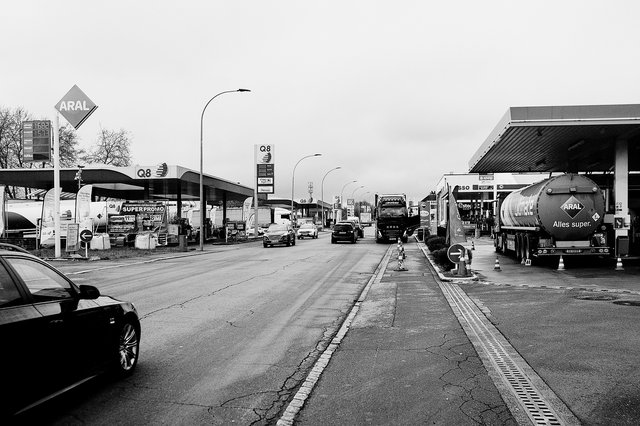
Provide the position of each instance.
(604, 297)
(627, 302)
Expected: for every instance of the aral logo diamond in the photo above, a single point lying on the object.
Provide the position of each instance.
(572, 207)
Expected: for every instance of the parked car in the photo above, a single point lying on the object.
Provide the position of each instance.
(344, 231)
(307, 230)
(252, 231)
(57, 335)
(279, 233)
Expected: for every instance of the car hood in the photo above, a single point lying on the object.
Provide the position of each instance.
(276, 234)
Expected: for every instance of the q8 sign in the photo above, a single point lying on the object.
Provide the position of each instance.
(265, 168)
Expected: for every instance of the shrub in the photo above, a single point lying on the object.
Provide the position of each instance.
(435, 243)
(441, 259)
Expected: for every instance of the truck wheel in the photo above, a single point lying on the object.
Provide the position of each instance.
(521, 248)
(404, 239)
(527, 250)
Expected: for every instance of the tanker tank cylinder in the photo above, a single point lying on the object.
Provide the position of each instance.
(566, 207)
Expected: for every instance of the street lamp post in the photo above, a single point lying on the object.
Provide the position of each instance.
(293, 179)
(322, 193)
(354, 191)
(203, 212)
(342, 192)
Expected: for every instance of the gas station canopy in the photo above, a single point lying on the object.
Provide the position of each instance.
(162, 181)
(560, 139)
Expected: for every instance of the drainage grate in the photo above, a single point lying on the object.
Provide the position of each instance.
(505, 360)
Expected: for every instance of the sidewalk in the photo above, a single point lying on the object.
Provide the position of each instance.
(405, 360)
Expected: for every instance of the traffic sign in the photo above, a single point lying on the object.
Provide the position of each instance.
(454, 252)
(86, 235)
(76, 107)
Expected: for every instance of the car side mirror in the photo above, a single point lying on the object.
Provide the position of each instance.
(89, 292)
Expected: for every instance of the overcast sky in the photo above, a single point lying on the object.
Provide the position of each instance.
(396, 93)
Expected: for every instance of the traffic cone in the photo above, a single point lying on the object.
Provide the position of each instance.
(619, 264)
(561, 264)
(496, 266)
(401, 257)
(473, 246)
(462, 266)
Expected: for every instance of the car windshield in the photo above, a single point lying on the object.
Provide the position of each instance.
(393, 211)
(306, 226)
(276, 227)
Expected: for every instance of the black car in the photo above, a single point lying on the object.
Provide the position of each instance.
(344, 231)
(279, 233)
(57, 335)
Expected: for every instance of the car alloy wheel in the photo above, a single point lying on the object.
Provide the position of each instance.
(128, 348)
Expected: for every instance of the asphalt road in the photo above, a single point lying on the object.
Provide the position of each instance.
(226, 335)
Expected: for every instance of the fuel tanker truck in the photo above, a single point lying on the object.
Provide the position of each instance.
(562, 215)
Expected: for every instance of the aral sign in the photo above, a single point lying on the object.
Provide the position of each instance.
(75, 107)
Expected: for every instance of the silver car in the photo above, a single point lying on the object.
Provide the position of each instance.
(307, 230)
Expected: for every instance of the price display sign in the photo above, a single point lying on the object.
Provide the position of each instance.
(36, 141)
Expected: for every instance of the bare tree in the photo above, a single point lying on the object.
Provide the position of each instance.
(11, 136)
(111, 148)
(69, 151)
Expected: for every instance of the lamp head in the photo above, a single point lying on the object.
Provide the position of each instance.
(243, 90)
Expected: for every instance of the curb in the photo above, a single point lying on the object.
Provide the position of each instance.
(442, 277)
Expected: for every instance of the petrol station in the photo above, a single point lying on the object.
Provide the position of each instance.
(600, 141)
(161, 182)
(476, 194)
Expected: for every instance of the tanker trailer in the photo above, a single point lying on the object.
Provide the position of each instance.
(561, 215)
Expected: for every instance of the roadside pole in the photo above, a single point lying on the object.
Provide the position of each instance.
(255, 193)
(56, 184)
(75, 107)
